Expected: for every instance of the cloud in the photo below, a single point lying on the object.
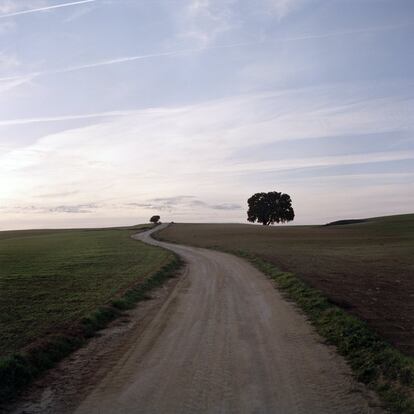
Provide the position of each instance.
(8, 62)
(172, 200)
(203, 47)
(44, 209)
(312, 162)
(204, 20)
(169, 203)
(58, 195)
(125, 59)
(10, 9)
(182, 202)
(226, 206)
(268, 117)
(177, 161)
(78, 13)
(74, 209)
(283, 8)
(12, 84)
(12, 6)
(75, 117)
(165, 203)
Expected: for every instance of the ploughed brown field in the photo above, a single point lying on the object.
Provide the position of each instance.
(366, 267)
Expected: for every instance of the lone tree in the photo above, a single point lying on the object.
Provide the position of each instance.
(268, 208)
(155, 219)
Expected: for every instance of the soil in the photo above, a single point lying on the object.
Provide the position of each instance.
(366, 268)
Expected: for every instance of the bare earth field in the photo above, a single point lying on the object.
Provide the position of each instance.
(366, 268)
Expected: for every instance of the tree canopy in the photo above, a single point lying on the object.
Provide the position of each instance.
(269, 208)
(155, 219)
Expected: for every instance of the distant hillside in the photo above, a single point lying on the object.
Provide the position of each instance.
(344, 222)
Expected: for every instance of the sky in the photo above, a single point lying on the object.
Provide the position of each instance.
(112, 111)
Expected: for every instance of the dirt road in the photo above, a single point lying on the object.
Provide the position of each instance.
(226, 342)
(223, 341)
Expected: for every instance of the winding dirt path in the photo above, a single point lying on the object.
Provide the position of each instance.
(225, 341)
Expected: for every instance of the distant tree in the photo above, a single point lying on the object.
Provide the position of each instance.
(155, 219)
(269, 208)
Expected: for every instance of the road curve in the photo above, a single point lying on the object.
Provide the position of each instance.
(226, 342)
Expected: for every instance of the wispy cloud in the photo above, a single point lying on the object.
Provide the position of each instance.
(269, 117)
(8, 61)
(124, 59)
(58, 195)
(181, 202)
(312, 162)
(132, 58)
(204, 20)
(25, 121)
(45, 209)
(77, 208)
(45, 8)
(282, 8)
(14, 83)
(196, 174)
(226, 206)
(169, 203)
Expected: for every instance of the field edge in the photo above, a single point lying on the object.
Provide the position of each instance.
(18, 371)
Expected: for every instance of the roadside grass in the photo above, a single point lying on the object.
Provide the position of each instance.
(59, 287)
(373, 361)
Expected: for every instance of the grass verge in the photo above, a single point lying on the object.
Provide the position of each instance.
(20, 369)
(373, 361)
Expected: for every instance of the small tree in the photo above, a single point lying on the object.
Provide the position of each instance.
(155, 219)
(269, 208)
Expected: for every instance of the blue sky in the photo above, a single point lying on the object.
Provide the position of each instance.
(114, 110)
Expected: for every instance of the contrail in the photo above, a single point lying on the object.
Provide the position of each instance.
(122, 60)
(26, 121)
(41, 9)
(200, 49)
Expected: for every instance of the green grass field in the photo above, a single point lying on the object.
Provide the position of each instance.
(51, 279)
(366, 268)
